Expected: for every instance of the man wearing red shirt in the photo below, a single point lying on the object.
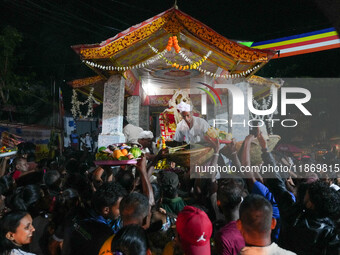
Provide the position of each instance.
(21, 168)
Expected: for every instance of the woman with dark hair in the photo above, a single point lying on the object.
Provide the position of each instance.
(130, 240)
(67, 209)
(16, 230)
(29, 198)
(34, 200)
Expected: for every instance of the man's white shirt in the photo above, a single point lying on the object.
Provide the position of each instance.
(193, 135)
(131, 133)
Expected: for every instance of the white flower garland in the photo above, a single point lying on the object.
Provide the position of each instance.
(125, 68)
(199, 68)
(76, 105)
(160, 55)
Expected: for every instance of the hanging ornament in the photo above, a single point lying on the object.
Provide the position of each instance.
(76, 112)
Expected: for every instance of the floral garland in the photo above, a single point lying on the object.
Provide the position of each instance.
(125, 68)
(76, 105)
(173, 43)
(193, 65)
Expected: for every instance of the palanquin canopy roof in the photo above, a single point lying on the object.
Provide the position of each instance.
(131, 50)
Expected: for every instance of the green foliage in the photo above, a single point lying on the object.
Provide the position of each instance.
(21, 92)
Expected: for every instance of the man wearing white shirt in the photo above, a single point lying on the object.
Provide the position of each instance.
(131, 132)
(190, 129)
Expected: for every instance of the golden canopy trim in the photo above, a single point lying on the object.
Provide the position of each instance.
(85, 81)
(126, 41)
(173, 21)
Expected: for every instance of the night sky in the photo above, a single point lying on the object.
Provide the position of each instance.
(50, 27)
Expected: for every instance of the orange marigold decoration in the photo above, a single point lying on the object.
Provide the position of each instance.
(173, 42)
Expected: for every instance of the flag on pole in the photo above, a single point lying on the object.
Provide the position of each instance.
(320, 40)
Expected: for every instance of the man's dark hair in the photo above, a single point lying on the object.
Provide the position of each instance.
(52, 178)
(130, 240)
(134, 206)
(72, 165)
(229, 193)
(107, 195)
(126, 179)
(27, 198)
(169, 182)
(27, 148)
(325, 199)
(256, 214)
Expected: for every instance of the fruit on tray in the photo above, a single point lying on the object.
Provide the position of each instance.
(223, 135)
(216, 133)
(119, 152)
(212, 132)
(5, 149)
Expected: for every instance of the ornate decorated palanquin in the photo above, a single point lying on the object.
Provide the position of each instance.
(130, 47)
(86, 81)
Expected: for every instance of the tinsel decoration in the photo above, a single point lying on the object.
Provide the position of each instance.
(76, 112)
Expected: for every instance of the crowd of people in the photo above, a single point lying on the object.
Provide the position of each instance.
(67, 207)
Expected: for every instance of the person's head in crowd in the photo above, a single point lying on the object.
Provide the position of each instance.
(256, 220)
(194, 230)
(29, 198)
(325, 178)
(322, 200)
(72, 165)
(169, 183)
(16, 230)
(302, 185)
(126, 179)
(20, 164)
(145, 139)
(53, 165)
(229, 198)
(131, 240)
(107, 199)
(80, 183)
(43, 164)
(52, 180)
(135, 209)
(26, 150)
(186, 112)
(68, 200)
(8, 185)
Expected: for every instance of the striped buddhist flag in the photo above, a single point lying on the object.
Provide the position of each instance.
(320, 40)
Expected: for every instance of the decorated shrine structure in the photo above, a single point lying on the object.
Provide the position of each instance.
(140, 69)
